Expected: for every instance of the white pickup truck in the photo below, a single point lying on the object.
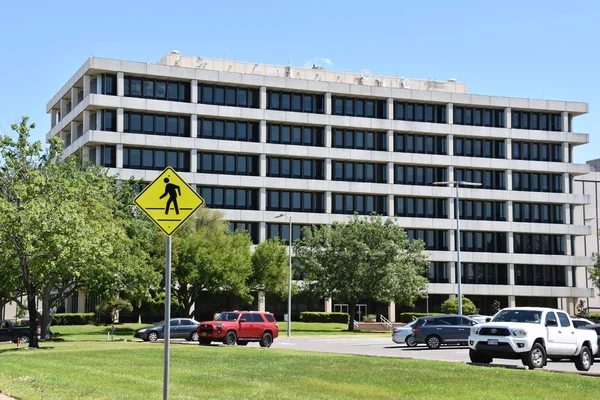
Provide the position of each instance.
(532, 335)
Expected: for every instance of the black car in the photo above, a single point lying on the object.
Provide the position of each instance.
(181, 328)
(443, 329)
(595, 327)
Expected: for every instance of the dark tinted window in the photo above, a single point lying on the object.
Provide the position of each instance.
(227, 95)
(355, 107)
(551, 317)
(564, 319)
(269, 317)
(295, 101)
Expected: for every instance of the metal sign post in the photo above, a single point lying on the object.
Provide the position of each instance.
(167, 328)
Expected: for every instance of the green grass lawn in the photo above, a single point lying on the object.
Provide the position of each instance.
(126, 370)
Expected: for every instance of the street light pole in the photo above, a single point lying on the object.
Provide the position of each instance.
(288, 325)
(457, 208)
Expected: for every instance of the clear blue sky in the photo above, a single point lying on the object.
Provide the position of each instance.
(545, 49)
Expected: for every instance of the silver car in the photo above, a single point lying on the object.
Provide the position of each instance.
(403, 334)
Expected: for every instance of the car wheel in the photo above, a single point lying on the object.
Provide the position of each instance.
(479, 358)
(266, 340)
(536, 357)
(204, 342)
(242, 342)
(433, 342)
(153, 336)
(24, 339)
(194, 337)
(583, 361)
(230, 338)
(410, 341)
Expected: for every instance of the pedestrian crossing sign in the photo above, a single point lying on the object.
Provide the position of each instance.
(169, 201)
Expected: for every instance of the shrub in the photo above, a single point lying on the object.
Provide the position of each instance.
(408, 316)
(73, 319)
(594, 317)
(450, 306)
(310, 316)
(370, 318)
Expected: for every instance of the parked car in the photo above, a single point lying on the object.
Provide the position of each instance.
(403, 334)
(239, 327)
(532, 334)
(581, 322)
(181, 328)
(10, 332)
(444, 329)
(595, 327)
(480, 318)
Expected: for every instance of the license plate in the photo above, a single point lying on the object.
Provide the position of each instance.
(203, 333)
(493, 341)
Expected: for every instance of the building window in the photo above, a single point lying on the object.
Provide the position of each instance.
(536, 120)
(282, 231)
(109, 120)
(489, 179)
(433, 239)
(486, 242)
(527, 243)
(538, 212)
(359, 172)
(109, 84)
(228, 95)
(156, 159)
(540, 275)
(362, 204)
(295, 101)
(485, 274)
(252, 228)
(420, 112)
(477, 116)
(537, 182)
(419, 175)
(296, 134)
(229, 197)
(229, 164)
(279, 200)
(156, 124)
(242, 131)
(156, 89)
(475, 147)
(300, 168)
(536, 151)
(437, 272)
(359, 107)
(421, 207)
(483, 210)
(108, 156)
(425, 144)
(355, 139)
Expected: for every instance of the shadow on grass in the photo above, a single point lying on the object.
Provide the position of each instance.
(25, 349)
(118, 331)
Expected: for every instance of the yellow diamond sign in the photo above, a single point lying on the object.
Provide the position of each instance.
(169, 201)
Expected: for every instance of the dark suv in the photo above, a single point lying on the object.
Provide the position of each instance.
(443, 329)
(239, 327)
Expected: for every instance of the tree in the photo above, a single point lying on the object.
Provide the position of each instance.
(112, 306)
(60, 227)
(270, 267)
(496, 306)
(450, 306)
(594, 270)
(365, 257)
(206, 258)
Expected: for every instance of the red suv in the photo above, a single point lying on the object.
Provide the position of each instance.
(239, 327)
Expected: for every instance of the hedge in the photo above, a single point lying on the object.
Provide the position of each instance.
(309, 316)
(74, 319)
(594, 317)
(408, 316)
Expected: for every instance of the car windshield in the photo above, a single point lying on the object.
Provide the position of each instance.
(227, 317)
(527, 316)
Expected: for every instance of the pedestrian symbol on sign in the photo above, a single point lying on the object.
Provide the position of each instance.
(172, 191)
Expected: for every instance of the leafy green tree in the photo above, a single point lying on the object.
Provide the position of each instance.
(450, 306)
(594, 270)
(365, 257)
(270, 267)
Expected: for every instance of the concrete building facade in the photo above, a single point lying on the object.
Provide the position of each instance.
(260, 140)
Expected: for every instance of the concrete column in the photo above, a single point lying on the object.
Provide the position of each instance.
(391, 208)
(263, 97)
(450, 113)
(392, 312)
(565, 151)
(512, 301)
(452, 240)
(450, 173)
(328, 103)
(390, 108)
(98, 155)
(99, 83)
(565, 121)
(74, 97)
(194, 126)
(262, 161)
(86, 121)
(328, 166)
(570, 302)
(120, 119)
(507, 117)
(262, 131)
(328, 304)
(328, 202)
(99, 124)
(450, 207)
(511, 274)
(262, 231)
(567, 208)
(120, 84)
(86, 86)
(63, 108)
(261, 300)
(328, 136)
(390, 172)
(262, 200)
(450, 144)
(81, 302)
(194, 160)
(119, 156)
(72, 136)
(569, 275)
(508, 149)
(510, 245)
(390, 140)
(566, 183)
(568, 249)
(53, 118)
(509, 211)
(509, 180)
(86, 153)
(194, 91)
